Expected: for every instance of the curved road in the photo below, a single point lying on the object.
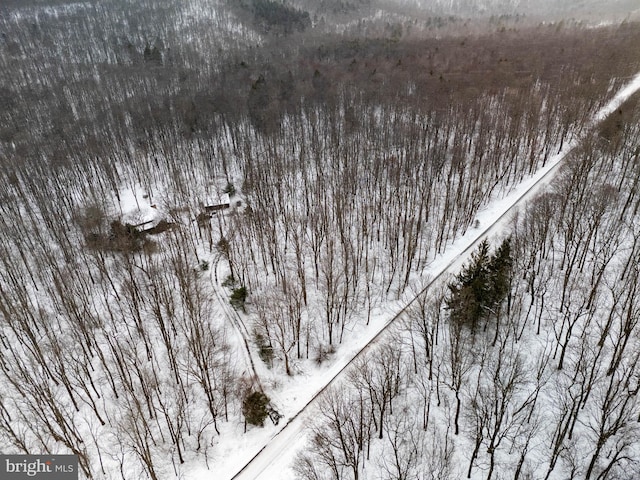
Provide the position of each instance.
(271, 461)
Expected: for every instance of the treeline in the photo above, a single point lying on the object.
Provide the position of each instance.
(276, 17)
(542, 384)
(108, 91)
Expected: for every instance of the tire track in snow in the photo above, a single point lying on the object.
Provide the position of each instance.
(237, 322)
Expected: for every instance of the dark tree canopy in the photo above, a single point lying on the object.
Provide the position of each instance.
(480, 288)
(254, 408)
(276, 17)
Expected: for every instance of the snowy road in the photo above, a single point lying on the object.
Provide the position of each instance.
(273, 460)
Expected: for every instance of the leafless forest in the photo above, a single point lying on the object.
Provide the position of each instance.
(351, 162)
(546, 384)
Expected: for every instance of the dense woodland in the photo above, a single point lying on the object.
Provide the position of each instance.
(351, 162)
(526, 363)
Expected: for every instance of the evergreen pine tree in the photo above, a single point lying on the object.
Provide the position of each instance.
(470, 289)
(500, 268)
(480, 288)
(254, 408)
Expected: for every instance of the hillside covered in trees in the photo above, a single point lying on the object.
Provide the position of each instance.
(201, 200)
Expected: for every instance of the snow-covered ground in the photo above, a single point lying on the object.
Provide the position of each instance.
(269, 454)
